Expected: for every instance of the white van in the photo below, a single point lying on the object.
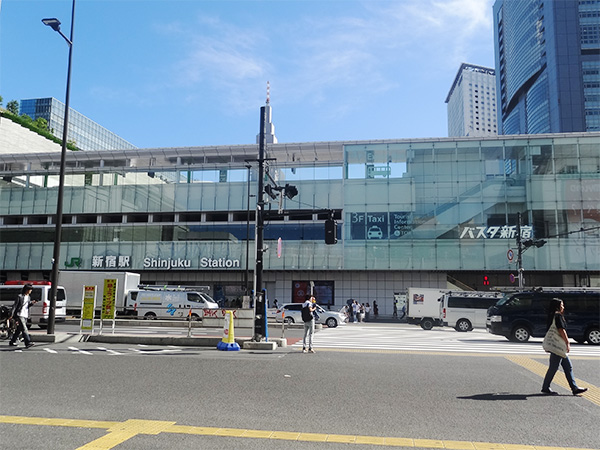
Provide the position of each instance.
(38, 314)
(168, 304)
(467, 310)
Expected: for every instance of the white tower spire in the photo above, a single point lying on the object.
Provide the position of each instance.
(270, 130)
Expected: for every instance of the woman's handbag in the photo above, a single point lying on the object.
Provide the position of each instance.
(554, 343)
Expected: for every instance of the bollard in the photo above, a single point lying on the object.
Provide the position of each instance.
(228, 342)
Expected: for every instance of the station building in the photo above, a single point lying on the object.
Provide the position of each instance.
(409, 212)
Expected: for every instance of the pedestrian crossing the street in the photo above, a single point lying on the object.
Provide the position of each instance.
(447, 340)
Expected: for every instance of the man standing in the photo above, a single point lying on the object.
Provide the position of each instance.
(20, 312)
(308, 308)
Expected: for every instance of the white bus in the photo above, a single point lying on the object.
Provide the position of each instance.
(38, 314)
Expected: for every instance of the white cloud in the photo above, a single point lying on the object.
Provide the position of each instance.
(306, 58)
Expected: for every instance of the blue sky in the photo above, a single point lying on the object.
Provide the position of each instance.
(176, 73)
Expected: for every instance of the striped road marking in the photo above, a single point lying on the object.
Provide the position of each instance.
(119, 432)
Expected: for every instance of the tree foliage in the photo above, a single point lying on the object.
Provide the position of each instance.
(13, 107)
(41, 124)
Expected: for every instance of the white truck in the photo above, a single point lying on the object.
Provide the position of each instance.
(423, 307)
(73, 281)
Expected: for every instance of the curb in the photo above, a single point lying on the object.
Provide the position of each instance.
(203, 341)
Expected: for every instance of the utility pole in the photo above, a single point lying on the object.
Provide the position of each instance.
(247, 271)
(519, 252)
(260, 307)
(523, 245)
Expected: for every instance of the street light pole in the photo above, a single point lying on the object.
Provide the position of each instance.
(55, 25)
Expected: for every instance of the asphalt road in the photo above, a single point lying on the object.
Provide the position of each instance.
(139, 397)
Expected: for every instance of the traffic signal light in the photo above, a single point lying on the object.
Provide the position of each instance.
(290, 191)
(533, 242)
(486, 280)
(330, 232)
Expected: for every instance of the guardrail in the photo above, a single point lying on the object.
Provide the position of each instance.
(242, 318)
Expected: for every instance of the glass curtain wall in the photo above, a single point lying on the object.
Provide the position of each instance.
(406, 205)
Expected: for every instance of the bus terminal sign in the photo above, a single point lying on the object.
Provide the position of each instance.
(497, 232)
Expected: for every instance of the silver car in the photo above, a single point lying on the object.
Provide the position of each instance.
(292, 313)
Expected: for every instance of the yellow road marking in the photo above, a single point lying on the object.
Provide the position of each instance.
(119, 432)
(593, 393)
(123, 431)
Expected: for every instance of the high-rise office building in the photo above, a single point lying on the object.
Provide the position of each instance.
(472, 102)
(547, 65)
(84, 132)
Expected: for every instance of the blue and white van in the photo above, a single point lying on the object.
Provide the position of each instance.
(161, 303)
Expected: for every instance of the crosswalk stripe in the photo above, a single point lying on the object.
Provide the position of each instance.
(403, 339)
(108, 350)
(77, 350)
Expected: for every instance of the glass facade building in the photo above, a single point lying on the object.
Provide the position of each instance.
(547, 65)
(83, 132)
(422, 212)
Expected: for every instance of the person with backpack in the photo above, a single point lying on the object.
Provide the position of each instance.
(308, 309)
(20, 312)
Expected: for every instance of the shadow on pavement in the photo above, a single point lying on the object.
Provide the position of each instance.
(501, 396)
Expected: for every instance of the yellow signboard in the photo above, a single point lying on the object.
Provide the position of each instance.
(87, 308)
(109, 299)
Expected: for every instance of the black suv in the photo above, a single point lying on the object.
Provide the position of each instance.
(524, 314)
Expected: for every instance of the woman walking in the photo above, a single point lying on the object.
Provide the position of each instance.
(555, 314)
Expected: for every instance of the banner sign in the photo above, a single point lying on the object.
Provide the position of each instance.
(87, 308)
(109, 299)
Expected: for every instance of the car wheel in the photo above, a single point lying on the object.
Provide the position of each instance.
(288, 320)
(427, 324)
(331, 322)
(520, 334)
(593, 336)
(195, 317)
(463, 325)
(150, 316)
